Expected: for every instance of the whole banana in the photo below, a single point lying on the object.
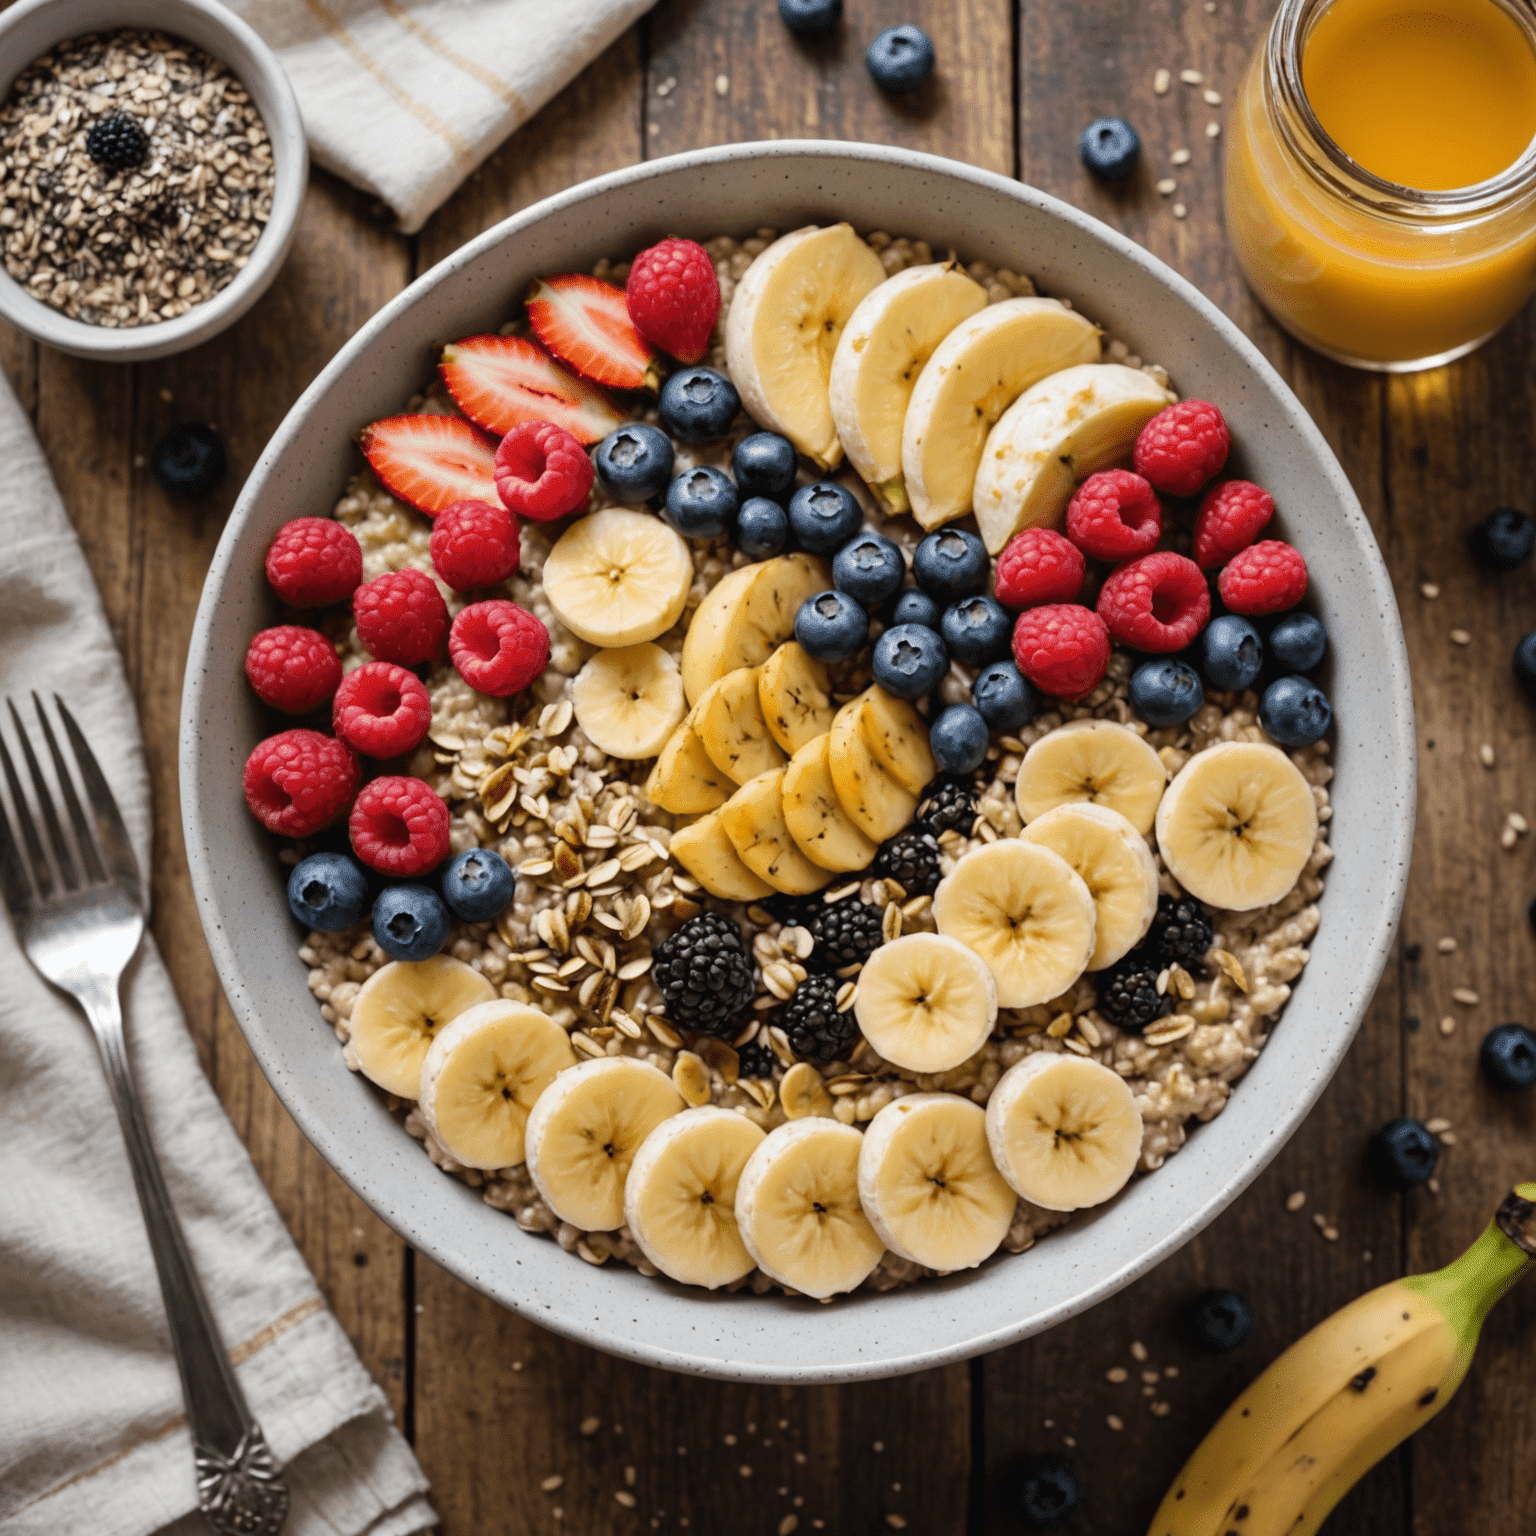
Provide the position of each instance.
(1339, 1399)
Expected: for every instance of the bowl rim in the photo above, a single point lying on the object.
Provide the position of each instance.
(1355, 991)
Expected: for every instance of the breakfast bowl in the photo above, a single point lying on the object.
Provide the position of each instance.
(1151, 312)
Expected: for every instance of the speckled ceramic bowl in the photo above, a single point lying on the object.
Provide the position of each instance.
(736, 189)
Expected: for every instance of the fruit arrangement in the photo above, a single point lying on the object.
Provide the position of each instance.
(767, 791)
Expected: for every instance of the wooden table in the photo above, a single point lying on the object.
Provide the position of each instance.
(493, 1405)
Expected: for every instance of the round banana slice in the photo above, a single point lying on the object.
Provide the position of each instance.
(1115, 864)
(483, 1073)
(1237, 825)
(398, 1011)
(929, 1185)
(1026, 912)
(925, 1002)
(798, 1209)
(584, 1131)
(1097, 761)
(629, 700)
(1065, 1132)
(618, 577)
(680, 1201)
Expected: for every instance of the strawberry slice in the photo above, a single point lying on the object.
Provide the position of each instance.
(585, 322)
(499, 381)
(432, 461)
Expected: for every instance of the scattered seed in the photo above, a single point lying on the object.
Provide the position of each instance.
(722, 84)
(1212, 98)
(1167, 186)
(1117, 1374)
(1508, 837)
(1060, 1026)
(1114, 1421)
(1447, 1025)
(1138, 1350)
(1213, 130)
(1161, 80)
(1485, 753)
(591, 1425)
(1429, 590)
(1465, 995)
(1179, 210)
(1331, 1234)
(896, 1522)
(1438, 1124)
(1179, 157)
(1191, 77)
(1460, 637)
(550, 1484)
(1076, 1046)
(1295, 1201)
(789, 1525)
(1448, 1138)
(626, 1498)
(1161, 1409)
(1447, 945)
(1170, 1371)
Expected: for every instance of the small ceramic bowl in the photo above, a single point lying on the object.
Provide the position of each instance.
(29, 29)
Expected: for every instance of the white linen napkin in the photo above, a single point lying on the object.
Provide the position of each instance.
(406, 97)
(93, 1437)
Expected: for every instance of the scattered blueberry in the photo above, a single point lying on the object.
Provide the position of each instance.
(831, 626)
(1218, 1321)
(117, 141)
(909, 660)
(1401, 1154)
(698, 405)
(189, 459)
(1232, 653)
(1298, 642)
(764, 465)
(701, 502)
(1508, 1057)
(950, 565)
(824, 516)
(869, 567)
(958, 738)
(410, 922)
(762, 527)
(1294, 712)
(1525, 664)
(1042, 1493)
(810, 15)
(1004, 697)
(977, 629)
(1165, 692)
(900, 59)
(478, 885)
(635, 463)
(327, 891)
(1503, 540)
(1110, 148)
(915, 607)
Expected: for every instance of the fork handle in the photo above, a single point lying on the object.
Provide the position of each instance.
(238, 1486)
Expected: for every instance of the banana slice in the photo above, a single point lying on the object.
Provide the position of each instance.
(708, 854)
(926, 1002)
(618, 577)
(898, 736)
(730, 723)
(875, 800)
(483, 1073)
(823, 831)
(1052, 438)
(786, 316)
(1026, 912)
(753, 819)
(680, 1198)
(398, 1011)
(882, 350)
(584, 1131)
(685, 780)
(974, 375)
(1237, 825)
(1115, 864)
(1064, 1131)
(795, 697)
(1094, 761)
(798, 1208)
(629, 700)
(929, 1185)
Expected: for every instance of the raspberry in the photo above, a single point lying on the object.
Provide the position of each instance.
(673, 296)
(1230, 518)
(542, 472)
(382, 710)
(1038, 566)
(1264, 578)
(1182, 447)
(1115, 515)
(314, 561)
(498, 647)
(474, 545)
(1062, 648)
(292, 668)
(1158, 603)
(401, 617)
(298, 782)
(399, 826)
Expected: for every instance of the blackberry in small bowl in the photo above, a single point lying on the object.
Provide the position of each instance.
(846, 933)
(817, 1031)
(705, 974)
(911, 860)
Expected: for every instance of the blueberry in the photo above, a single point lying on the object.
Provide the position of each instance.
(1232, 652)
(1525, 664)
(869, 567)
(327, 891)
(958, 738)
(1003, 696)
(478, 885)
(1294, 712)
(762, 527)
(909, 660)
(824, 516)
(1110, 148)
(1165, 692)
(1508, 1057)
(189, 459)
(635, 463)
(900, 59)
(410, 922)
(950, 565)
(1298, 642)
(1217, 1321)
(831, 626)
(1041, 1493)
(914, 607)
(976, 629)
(810, 15)
(1401, 1154)
(698, 405)
(701, 502)
(1503, 540)
(764, 465)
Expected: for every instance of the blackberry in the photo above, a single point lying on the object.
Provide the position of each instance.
(912, 860)
(793, 911)
(756, 1060)
(816, 1030)
(951, 806)
(1128, 995)
(1181, 931)
(705, 974)
(846, 933)
(116, 141)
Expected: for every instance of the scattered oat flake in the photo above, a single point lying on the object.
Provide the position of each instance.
(1486, 754)
(1331, 1234)
(1167, 186)
(1213, 130)
(1116, 1374)
(1447, 1025)
(1179, 157)
(1295, 1201)
(878, 1446)
(1160, 1408)
(590, 1426)
(1212, 98)
(1433, 1186)
(1465, 995)
(1114, 1421)
(1161, 80)
(744, 1470)
(1447, 945)
(1138, 1350)
(722, 84)
(1191, 77)
(1508, 837)
(1448, 1138)
(896, 1522)
(1179, 210)
(1518, 822)
(1460, 637)
(626, 1498)
(789, 1525)
(550, 1484)
(1429, 590)
(1438, 1124)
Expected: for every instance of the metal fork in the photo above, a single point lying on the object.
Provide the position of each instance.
(78, 915)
